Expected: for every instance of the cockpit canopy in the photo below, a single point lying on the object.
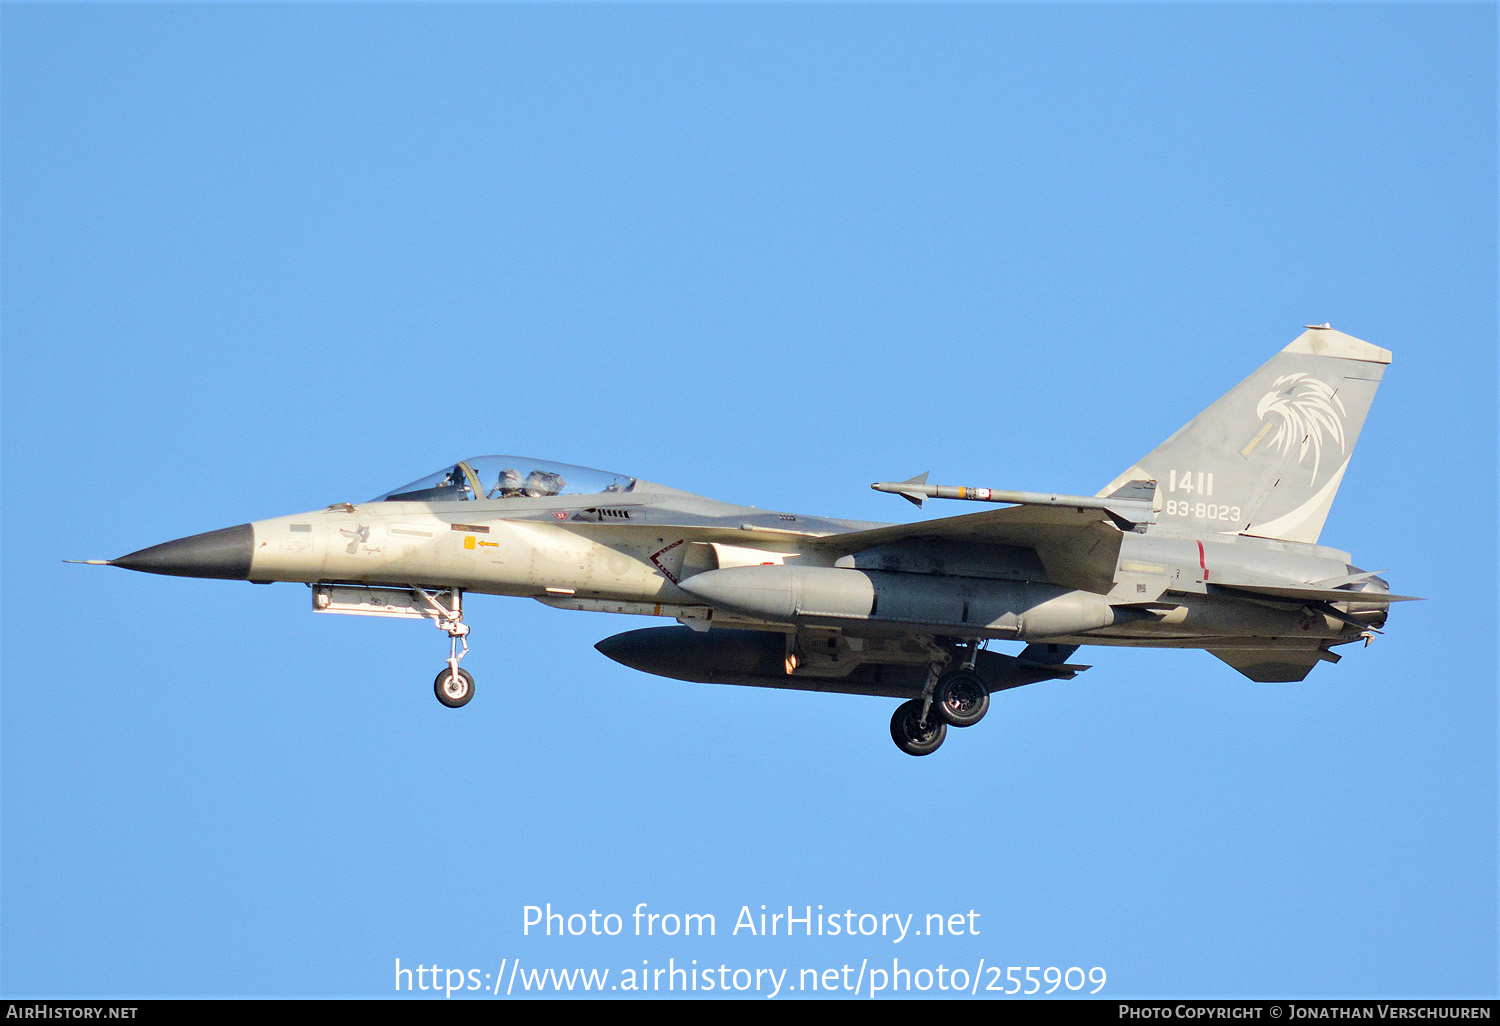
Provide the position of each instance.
(507, 477)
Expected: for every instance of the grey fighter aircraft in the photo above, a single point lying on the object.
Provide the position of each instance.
(1209, 541)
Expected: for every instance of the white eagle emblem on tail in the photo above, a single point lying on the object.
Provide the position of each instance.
(1306, 411)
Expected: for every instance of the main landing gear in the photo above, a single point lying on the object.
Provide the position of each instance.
(914, 732)
(961, 699)
(454, 686)
(956, 699)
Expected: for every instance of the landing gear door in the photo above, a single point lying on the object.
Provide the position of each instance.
(356, 600)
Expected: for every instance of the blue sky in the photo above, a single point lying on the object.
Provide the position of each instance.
(261, 258)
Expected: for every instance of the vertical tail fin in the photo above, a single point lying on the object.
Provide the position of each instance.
(1267, 458)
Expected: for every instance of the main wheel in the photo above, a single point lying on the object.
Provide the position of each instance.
(961, 700)
(452, 692)
(914, 736)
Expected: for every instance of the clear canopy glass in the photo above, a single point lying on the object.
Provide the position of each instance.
(507, 477)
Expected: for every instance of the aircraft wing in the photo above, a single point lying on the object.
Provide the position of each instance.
(1013, 525)
(1078, 544)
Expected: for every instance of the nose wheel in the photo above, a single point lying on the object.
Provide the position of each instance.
(453, 691)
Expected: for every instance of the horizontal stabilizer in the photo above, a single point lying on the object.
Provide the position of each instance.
(1339, 582)
(1309, 593)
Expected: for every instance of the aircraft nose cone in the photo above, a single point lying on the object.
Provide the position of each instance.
(224, 553)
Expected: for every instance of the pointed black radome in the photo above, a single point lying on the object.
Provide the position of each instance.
(224, 553)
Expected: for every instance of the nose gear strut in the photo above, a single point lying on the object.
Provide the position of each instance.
(454, 686)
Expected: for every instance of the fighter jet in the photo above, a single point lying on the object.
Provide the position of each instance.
(1209, 541)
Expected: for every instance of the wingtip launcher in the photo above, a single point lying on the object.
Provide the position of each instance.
(1126, 508)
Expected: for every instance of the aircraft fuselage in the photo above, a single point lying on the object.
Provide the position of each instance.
(538, 548)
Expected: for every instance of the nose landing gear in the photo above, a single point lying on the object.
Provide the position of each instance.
(443, 606)
(454, 687)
